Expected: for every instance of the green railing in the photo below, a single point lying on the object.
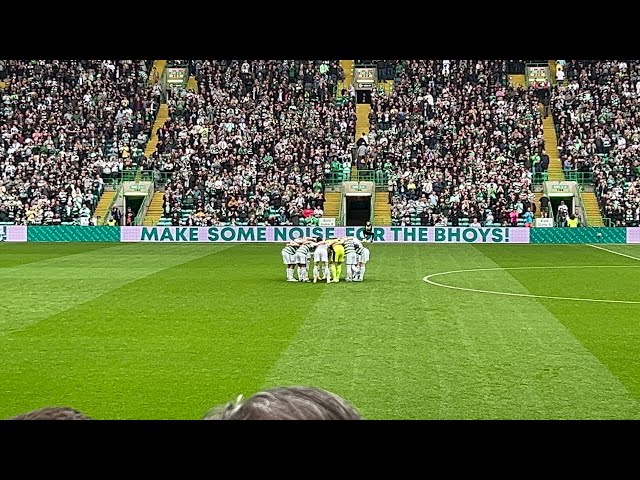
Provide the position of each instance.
(607, 222)
(373, 206)
(583, 178)
(135, 175)
(378, 177)
(103, 221)
(139, 220)
(585, 217)
(539, 178)
(335, 178)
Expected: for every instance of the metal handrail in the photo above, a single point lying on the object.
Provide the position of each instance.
(113, 201)
(584, 215)
(582, 178)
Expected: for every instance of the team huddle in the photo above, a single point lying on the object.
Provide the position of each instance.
(328, 257)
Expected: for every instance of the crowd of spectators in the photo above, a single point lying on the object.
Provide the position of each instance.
(456, 141)
(65, 127)
(253, 144)
(597, 117)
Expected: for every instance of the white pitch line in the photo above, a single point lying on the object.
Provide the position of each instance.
(428, 280)
(613, 251)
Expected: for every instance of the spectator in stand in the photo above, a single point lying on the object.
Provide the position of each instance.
(563, 213)
(598, 125)
(129, 217)
(65, 125)
(544, 205)
(573, 221)
(528, 218)
(255, 141)
(116, 215)
(559, 73)
(513, 217)
(543, 164)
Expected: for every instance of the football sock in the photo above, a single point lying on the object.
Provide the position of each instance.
(315, 271)
(362, 269)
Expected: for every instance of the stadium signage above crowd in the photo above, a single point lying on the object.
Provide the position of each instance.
(286, 234)
(21, 233)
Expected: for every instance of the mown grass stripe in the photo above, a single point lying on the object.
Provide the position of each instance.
(167, 346)
(36, 291)
(609, 331)
(12, 255)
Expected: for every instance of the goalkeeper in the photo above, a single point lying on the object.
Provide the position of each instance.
(336, 259)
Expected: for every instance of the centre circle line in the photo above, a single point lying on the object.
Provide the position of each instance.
(428, 280)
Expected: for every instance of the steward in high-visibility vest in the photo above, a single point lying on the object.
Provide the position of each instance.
(572, 222)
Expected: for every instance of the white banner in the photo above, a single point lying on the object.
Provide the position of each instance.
(633, 235)
(327, 222)
(286, 234)
(544, 222)
(13, 233)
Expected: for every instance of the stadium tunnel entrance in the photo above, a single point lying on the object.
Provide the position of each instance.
(135, 202)
(555, 203)
(358, 210)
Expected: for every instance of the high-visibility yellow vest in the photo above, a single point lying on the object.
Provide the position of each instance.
(572, 223)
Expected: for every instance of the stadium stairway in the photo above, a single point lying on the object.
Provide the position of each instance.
(332, 205)
(537, 196)
(159, 66)
(552, 71)
(362, 126)
(161, 118)
(592, 209)
(154, 212)
(517, 81)
(381, 209)
(347, 66)
(551, 146)
(362, 119)
(387, 87)
(192, 84)
(102, 210)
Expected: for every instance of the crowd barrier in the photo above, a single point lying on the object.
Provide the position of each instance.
(284, 234)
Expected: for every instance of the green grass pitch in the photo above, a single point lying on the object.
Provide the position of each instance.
(166, 331)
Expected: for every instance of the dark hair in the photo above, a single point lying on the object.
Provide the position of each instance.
(287, 403)
(52, 413)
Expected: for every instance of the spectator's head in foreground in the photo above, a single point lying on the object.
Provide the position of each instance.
(52, 413)
(287, 403)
